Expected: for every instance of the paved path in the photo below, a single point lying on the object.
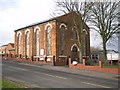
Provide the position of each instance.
(46, 76)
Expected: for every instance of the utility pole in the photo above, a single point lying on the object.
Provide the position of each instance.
(118, 33)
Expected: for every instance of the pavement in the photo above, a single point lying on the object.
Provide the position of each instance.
(70, 70)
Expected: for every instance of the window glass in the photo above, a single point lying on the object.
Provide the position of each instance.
(62, 40)
(84, 43)
(37, 42)
(19, 43)
(27, 43)
(49, 40)
(74, 34)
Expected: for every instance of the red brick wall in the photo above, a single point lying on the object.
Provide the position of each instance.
(69, 34)
(32, 40)
(94, 68)
(9, 47)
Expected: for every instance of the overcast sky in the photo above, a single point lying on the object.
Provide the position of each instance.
(15, 14)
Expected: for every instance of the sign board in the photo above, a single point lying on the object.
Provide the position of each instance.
(41, 51)
(74, 62)
(48, 59)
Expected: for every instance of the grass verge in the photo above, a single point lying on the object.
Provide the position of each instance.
(7, 84)
(113, 66)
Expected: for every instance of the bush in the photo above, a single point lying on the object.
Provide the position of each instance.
(89, 63)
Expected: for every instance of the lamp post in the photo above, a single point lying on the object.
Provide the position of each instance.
(118, 34)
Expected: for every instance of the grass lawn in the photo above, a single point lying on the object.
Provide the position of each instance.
(7, 84)
(113, 66)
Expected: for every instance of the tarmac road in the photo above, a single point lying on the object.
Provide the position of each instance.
(37, 77)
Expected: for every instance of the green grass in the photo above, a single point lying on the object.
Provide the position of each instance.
(6, 84)
(113, 66)
(0, 83)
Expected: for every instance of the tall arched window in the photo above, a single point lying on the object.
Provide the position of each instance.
(19, 44)
(27, 43)
(84, 43)
(74, 34)
(74, 52)
(62, 40)
(49, 51)
(37, 42)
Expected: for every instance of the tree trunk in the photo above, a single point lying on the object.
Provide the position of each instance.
(104, 52)
(80, 54)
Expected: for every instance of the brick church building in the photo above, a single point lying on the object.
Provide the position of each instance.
(53, 39)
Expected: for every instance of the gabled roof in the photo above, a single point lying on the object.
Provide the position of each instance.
(34, 24)
(45, 21)
(112, 51)
(4, 45)
(12, 44)
(101, 51)
(11, 49)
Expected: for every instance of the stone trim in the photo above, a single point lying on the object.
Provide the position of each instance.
(48, 25)
(27, 30)
(62, 56)
(37, 28)
(49, 56)
(84, 30)
(63, 25)
(36, 56)
(19, 33)
(73, 46)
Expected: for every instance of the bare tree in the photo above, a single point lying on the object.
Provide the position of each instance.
(82, 10)
(67, 6)
(103, 18)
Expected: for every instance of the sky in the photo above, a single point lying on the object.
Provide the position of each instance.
(15, 14)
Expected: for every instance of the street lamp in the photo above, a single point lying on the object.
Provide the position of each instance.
(118, 31)
(118, 35)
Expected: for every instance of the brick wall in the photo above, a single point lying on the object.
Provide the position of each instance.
(95, 68)
(69, 41)
(33, 39)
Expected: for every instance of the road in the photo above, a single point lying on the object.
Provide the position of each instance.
(38, 77)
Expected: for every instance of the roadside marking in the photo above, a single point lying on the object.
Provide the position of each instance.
(18, 68)
(60, 77)
(53, 76)
(49, 75)
(21, 69)
(45, 73)
(37, 72)
(68, 71)
(29, 64)
(95, 85)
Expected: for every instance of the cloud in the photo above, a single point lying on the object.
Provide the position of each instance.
(21, 13)
(15, 14)
(5, 4)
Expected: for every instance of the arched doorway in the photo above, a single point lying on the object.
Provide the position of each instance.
(74, 53)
